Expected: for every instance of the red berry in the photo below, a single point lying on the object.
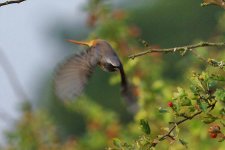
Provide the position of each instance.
(213, 135)
(170, 104)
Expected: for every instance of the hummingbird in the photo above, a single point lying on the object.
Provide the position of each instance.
(72, 76)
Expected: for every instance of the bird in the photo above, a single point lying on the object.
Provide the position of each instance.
(72, 75)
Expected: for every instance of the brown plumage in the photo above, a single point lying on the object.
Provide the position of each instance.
(72, 76)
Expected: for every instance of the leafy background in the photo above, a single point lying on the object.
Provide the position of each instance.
(100, 115)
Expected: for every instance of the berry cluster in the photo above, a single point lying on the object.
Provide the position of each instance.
(214, 131)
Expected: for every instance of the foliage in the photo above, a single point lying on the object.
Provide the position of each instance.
(205, 91)
(191, 117)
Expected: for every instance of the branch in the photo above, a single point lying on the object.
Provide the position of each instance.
(178, 123)
(11, 2)
(210, 61)
(216, 63)
(220, 3)
(182, 49)
(168, 134)
(14, 81)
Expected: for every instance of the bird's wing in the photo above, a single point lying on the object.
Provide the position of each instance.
(71, 77)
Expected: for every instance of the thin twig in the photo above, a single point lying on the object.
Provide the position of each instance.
(182, 49)
(212, 62)
(220, 3)
(168, 134)
(17, 87)
(11, 2)
(178, 123)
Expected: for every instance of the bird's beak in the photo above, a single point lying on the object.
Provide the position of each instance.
(89, 44)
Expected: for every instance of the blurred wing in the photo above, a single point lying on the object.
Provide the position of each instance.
(72, 76)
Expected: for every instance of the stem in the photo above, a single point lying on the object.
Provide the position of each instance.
(182, 49)
(178, 123)
(11, 2)
(14, 81)
(168, 134)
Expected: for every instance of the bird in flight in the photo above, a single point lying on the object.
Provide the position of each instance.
(72, 76)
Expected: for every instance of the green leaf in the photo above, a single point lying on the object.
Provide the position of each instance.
(220, 94)
(177, 129)
(185, 102)
(223, 124)
(191, 108)
(184, 143)
(145, 126)
(222, 111)
(202, 105)
(180, 93)
(221, 139)
(217, 78)
(212, 84)
(162, 110)
(117, 143)
(209, 119)
(194, 89)
(184, 111)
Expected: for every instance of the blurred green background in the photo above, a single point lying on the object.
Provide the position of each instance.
(99, 115)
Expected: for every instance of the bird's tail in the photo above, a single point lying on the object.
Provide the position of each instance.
(127, 92)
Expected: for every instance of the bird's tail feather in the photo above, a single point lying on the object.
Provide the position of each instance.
(127, 92)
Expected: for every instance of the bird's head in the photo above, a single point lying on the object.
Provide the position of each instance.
(103, 50)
